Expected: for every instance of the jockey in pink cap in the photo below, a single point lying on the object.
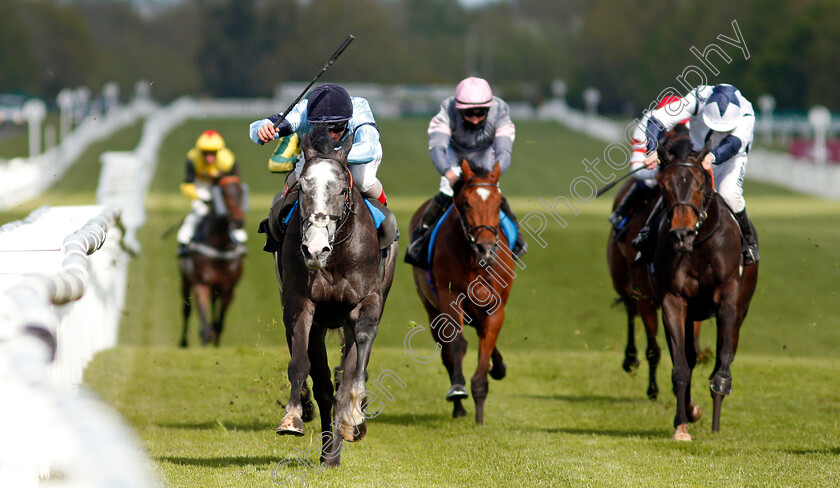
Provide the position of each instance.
(472, 125)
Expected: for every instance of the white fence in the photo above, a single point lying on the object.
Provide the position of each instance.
(24, 178)
(62, 276)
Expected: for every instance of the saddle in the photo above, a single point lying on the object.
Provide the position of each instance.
(427, 241)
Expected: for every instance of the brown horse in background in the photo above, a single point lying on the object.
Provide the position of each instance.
(629, 281)
(470, 281)
(214, 264)
(698, 273)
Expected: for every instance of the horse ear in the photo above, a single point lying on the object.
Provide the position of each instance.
(496, 173)
(466, 170)
(664, 155)
(345, 148)
(703, 152)
(306, 146)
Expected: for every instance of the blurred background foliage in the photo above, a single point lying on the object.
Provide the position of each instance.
(628, 49)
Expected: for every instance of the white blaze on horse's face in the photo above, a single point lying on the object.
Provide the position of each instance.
(484, 193)
(320, 187)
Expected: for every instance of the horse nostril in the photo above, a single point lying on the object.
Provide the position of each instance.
(325, 250)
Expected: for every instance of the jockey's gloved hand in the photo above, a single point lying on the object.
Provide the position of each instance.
(240, 235)
(200, 208)
(203, 194)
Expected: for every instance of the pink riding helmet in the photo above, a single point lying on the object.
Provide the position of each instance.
(473, 92)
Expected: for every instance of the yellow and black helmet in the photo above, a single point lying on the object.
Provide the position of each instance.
(210, 141)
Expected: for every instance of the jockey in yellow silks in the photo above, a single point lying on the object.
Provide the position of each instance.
(206, 164)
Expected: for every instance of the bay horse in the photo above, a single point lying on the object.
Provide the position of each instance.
(213, 266)
(332, 275)
(470, 280)
(698, 273)
(633, 283)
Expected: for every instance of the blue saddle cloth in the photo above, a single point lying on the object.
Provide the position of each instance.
(378, 216)
(508, 227)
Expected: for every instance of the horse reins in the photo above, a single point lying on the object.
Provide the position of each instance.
(703, 214)
(340, 220)
(472, 232)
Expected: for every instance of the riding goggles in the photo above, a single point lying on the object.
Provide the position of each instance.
(475, 112)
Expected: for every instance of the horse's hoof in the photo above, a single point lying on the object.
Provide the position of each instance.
(630, 364)
(498, 370)
(721, 385)
(693, 412)
(652, 392)
(682, 434)
(290, 425)
(456, 392)
(458, 412)
(308, 414)
(353, 433)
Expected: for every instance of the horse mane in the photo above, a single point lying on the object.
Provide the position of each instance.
(680, 148)
(321, 140)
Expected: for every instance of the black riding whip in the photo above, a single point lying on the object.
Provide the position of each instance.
(335, 56)
(609, 186)
(172, 228)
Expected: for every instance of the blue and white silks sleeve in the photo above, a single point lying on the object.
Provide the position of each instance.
(365, 133)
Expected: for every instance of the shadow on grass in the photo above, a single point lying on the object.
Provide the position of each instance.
(834, 451)
(254, 426)
(221, 462)
(590, 398)
(647, 433)
(433, 419)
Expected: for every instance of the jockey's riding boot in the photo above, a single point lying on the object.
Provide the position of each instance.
(433, 212)
(520, 247)
(274, 227)
(631, 199)
(420, 235)
(750, 240)
(183, 250)
(643, 242)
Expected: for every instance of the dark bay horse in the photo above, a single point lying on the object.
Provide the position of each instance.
(633, 283)
(214, 264)
(698, 273)
(333, 276)
(471, 278)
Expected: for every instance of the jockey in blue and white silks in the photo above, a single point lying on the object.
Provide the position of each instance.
(345, 116)
(721, 116)
(645, 178)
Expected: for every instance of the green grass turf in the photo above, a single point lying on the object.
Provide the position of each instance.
(565, 415)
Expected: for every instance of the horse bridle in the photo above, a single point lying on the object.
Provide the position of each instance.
(472, 232)
(703, 213)
(306, 223)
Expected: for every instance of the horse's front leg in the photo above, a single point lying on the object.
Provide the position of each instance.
(203, 296)
(297, 315)
(674, 311)
(448, 331)
(721, 378)
(631, 358)
(186, 291)
(647, 310)
(488, 333)
(365, 319)
(322, 388)
(222, 304)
